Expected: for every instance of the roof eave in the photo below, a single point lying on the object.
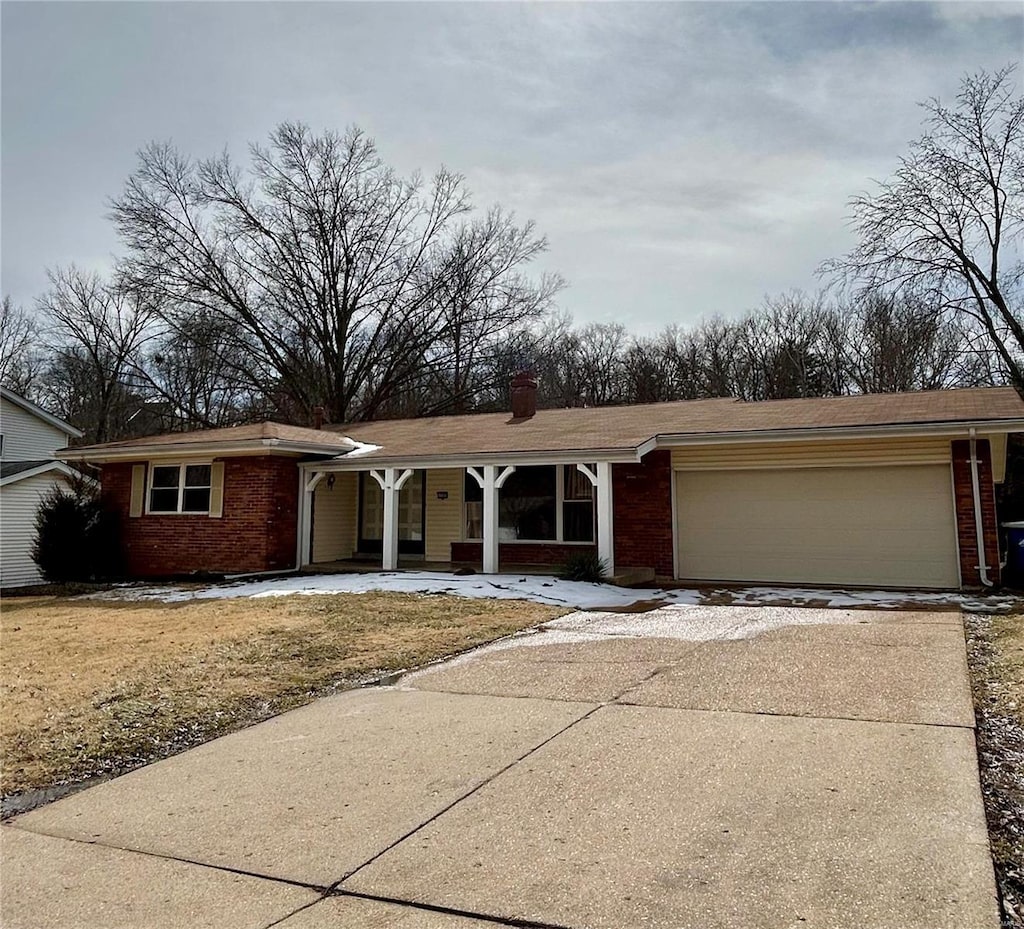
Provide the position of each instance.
(55, 465)
(628, 455)
(101, 455)
(812, 433)
(29, 407)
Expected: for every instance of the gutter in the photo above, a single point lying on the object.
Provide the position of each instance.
(366, 462)
(181, 450)
(805, 433)
(978, 527)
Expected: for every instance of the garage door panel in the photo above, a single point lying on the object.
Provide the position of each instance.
(864, 526)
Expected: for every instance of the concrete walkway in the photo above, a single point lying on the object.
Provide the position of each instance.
(821, 773)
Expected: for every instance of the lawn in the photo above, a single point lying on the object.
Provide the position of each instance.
(90, 687)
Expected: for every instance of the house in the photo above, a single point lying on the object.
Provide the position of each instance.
(894, 490)
(29, 437)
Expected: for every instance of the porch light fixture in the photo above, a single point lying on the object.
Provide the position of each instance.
(330, 482)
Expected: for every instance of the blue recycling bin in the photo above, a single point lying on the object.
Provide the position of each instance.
(1015, 548)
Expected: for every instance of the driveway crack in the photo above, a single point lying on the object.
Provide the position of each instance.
(337, 884)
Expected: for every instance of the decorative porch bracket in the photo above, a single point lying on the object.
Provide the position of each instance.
(602, 481)
(391, 482)
(491, 481)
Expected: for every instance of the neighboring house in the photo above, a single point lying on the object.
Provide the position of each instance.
(894, 490)
(29, 437)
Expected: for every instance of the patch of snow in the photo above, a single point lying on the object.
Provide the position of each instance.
(525, 639)
(555, 592)
(699, 623)
(879, 599)
(360, 448)
(673, 621)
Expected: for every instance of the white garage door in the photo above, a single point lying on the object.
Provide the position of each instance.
(872, 526)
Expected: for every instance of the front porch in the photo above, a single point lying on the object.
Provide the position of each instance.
(489, 517)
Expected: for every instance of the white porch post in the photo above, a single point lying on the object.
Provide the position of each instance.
(490, 483)
(605, 517)
(391, 483)
(602, 481)
(306, 518)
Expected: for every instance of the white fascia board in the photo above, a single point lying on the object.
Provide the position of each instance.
(57, 466)
(365, 463)
(29, 407)
(908, 430)
(195, 450)
(644, 447)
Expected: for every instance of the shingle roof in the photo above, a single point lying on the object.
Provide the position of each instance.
(10, 468)
(255, 433)
(626, 427)
(601, 428)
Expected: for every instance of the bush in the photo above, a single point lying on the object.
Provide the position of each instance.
(76, 539)
(585, 566)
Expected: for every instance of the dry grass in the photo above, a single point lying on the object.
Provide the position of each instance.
(90, 687)
(1008, 662)
(995, 647)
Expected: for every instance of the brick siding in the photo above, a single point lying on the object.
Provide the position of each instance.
(963, 493)
(519, 553)
(642, 502)
(256, 532)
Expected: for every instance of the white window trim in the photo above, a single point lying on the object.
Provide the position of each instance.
(562, 502)
(559, 515)
(180, 465)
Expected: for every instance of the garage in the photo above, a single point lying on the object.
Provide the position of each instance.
(888, 526)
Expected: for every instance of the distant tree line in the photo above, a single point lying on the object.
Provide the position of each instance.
(315, 276)
(95, 356)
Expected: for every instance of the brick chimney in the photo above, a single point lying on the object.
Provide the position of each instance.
(524, 395)
(318, 417)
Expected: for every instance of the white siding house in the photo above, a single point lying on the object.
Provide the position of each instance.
(29, 437)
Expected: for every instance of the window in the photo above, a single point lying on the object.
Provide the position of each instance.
(473, 495)
(577, 506)
(179, 488)
(527, 505)
(543, 503)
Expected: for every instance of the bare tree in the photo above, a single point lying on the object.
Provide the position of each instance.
(94, 333)
(340, 274)
(783, 348)
(195, 377)
(21, 358)
(899, 342)
(485, 307)
(947, 227)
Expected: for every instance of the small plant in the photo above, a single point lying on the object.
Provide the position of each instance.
(76, 539)
(585, 566)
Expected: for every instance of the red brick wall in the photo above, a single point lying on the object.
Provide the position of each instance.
(256, 532)
(964, 497)
(642, 501)
(519, 553)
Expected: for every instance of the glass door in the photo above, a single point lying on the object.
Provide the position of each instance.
(410, 515)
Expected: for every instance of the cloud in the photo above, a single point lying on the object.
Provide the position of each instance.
(683, 158)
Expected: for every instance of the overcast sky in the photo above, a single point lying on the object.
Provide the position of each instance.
(684, 159)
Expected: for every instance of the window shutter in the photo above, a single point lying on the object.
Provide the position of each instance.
(217, 489)
(138, 490)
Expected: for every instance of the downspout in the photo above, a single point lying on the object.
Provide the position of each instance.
(978, 527)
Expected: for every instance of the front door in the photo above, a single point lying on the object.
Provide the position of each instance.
(410, 515)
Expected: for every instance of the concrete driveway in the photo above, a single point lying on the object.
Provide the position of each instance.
(692, 768)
